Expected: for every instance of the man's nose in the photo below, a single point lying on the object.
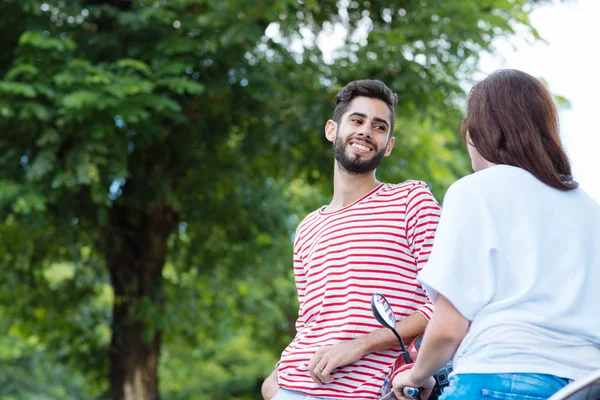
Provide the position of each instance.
(365, 130)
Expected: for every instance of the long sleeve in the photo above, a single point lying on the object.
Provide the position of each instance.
(300, 279)
(422, 217)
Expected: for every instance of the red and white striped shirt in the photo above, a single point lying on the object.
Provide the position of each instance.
(377, 244)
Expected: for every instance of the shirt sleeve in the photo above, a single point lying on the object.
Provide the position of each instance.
(300, 279)
(460, 266)
(422, 217)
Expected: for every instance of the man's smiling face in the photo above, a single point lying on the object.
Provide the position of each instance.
(362, 137)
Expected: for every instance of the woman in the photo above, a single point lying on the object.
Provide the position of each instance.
(515, 266)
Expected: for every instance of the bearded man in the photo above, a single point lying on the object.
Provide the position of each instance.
(372, 237)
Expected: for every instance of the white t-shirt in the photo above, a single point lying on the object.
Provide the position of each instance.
(521, 261)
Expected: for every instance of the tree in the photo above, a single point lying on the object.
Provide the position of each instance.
(143, 133)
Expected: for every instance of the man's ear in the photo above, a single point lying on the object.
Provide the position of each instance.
(389, 146)
(330, 130)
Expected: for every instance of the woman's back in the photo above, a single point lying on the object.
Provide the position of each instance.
(548, 257)
(529, 270)
(516, 256)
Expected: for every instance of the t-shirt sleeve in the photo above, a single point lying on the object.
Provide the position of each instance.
(422, 216)
(300, 279)
(460, 266)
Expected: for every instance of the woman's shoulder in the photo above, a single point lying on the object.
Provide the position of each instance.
(492, 179)
(485, 186)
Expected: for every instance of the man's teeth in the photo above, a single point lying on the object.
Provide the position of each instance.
(360, 147)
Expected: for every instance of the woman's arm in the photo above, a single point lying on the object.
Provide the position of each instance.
(444, 333)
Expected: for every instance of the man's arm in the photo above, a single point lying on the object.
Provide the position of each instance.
(382, 339)
(328, 358)
(270, 386)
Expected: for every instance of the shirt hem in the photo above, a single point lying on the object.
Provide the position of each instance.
(566, 372)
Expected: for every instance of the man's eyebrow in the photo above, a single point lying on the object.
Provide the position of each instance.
(357, 114)
(365, 117)
(381, 120)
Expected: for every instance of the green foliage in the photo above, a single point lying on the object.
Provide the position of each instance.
(108, 105)
(27, 371)
(227, 369)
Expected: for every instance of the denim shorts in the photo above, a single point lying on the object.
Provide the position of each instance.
(503, 386)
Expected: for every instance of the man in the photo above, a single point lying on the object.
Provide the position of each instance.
(372, 237)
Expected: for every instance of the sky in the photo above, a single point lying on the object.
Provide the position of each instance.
(569, 62)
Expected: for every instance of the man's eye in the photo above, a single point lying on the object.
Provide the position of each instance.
(356, 121)
(381, 127)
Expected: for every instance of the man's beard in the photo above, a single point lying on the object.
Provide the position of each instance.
(354, 163)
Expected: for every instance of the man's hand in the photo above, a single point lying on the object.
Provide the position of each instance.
(270, 386)
(328, 358)
(404, 379)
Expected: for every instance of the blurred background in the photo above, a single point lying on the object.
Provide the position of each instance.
(156, 157)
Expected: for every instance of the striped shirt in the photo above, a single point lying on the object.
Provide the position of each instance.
(378, 244)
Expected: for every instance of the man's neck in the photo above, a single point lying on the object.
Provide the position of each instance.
(349, 187)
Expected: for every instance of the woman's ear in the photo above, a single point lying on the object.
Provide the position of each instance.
(331, 130)
(468, 139)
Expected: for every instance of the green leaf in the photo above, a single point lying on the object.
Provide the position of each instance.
(21, 70)
(29, 203)
(42, 164)
(81, 99)
(34, 111)
(129, 86)
(16, 88)
(49, 137)
(135, 65)
(8, 191)
(181, 85)
(172, 45)
(41, 42)
(6, 110)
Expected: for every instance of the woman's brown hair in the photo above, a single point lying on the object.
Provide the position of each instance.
(511, 119)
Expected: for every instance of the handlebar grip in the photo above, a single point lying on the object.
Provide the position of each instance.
(408, 391)
(411, 392)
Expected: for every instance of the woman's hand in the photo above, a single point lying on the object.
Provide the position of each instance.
(404, 379)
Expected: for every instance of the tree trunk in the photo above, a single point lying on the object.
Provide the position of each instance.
(136, 252)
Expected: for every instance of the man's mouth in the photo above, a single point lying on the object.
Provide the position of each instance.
(361, 147)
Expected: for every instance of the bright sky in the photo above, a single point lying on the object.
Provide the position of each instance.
(570, 63)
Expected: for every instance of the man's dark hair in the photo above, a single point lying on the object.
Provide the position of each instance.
(511, 119)
(365, 88)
